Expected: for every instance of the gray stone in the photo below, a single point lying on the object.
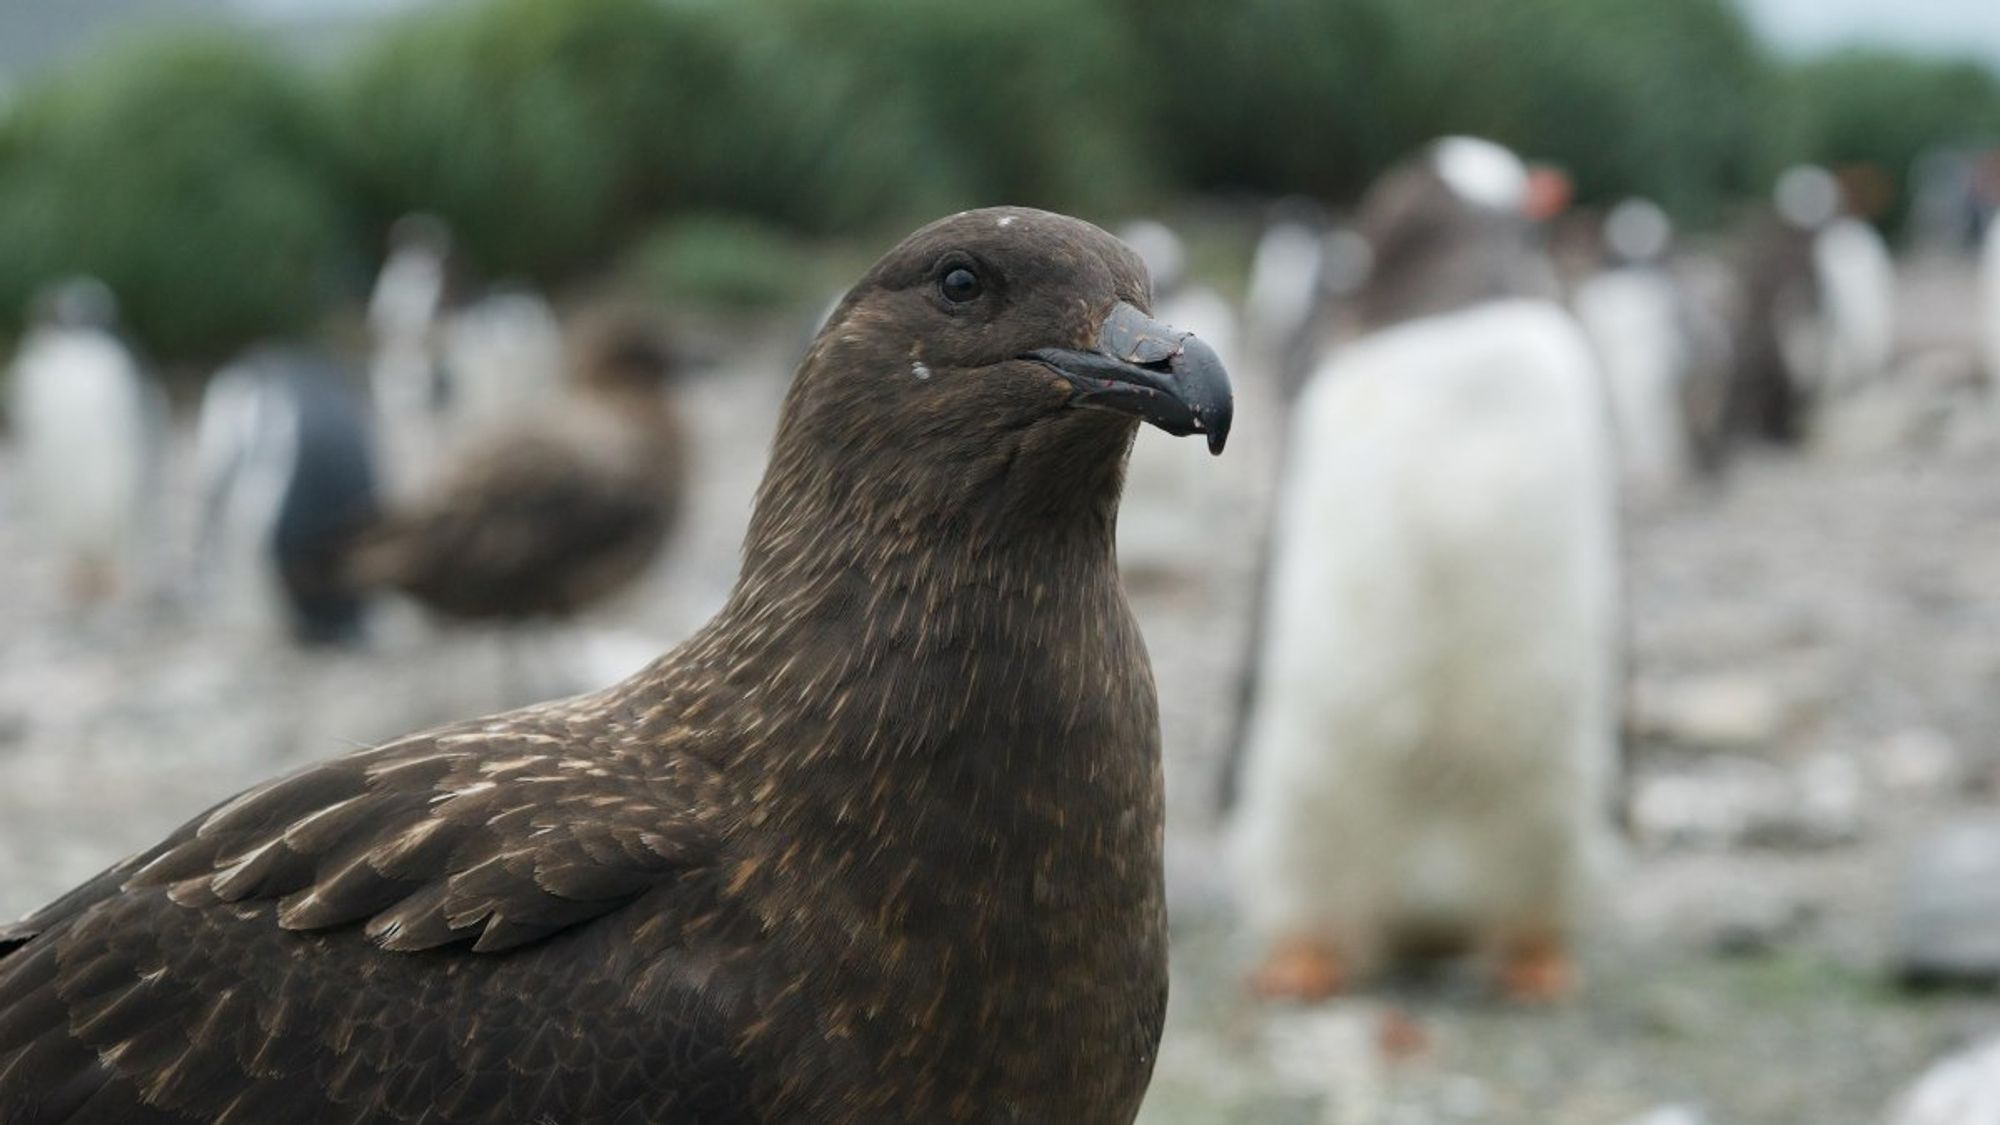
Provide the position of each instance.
(1738, 801)
(1670, 1115)
(1918, 762)
(1760, 926)
(1723, 711)
(1948, 908)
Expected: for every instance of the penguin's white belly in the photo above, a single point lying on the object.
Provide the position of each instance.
(247, 444)
(1171, 485)
(1283, 275)
(1435, 730)
(1989, 307)
(1632, 317)
(1858, 280)
(80, 414)
(504, 358)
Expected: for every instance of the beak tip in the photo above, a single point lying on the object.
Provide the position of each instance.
(1143, 368)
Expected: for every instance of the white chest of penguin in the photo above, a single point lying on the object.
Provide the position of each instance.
(1435, 730)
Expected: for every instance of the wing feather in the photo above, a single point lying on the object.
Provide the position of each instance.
(429, 930)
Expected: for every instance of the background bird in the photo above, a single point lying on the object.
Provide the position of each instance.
(88, 422)
(406, 375)
(1428, 755)
(880, 842)
(1446, 231)
(288, 479)
(503, 360)
(1284, 288)
(1171, 497)
(1818, 320)
(1658, 323)
(1989, 306)
(1857, 321)
(1631, 313)
(547, 514)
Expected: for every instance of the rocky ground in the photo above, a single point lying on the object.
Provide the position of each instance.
(1816, 657)
(1816, 648)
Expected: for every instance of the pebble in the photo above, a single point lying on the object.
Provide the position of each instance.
(1948, 906)
(1669, 1115)
(1739, 801)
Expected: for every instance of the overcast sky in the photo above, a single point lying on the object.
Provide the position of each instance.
(1948, 26)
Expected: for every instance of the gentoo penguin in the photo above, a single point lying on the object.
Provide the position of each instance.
(1663, 348)
(553, 511)
(1989, 305)
(288, 478)
(406, 374)
(88, 426)
(1629, 311)
(503, 358)
(1818, 315)
(1433, 733)
(1283, 294)
(1168, 485)
(1857, 280)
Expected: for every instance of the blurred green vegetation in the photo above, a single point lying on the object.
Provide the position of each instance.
(729, 260)
(225, 195)
(1884, 109)
(192, 176)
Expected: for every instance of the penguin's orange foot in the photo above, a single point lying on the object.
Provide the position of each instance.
(1537, 972)
(1299, 969)
(1399, 1036)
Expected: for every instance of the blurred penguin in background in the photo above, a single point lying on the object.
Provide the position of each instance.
(552, 513)
(89, 429)
(406, 373)
(446, 375)
(1663, 352)
(1452, 230)
(503, 362)
(1280, 304)
(1857, 277)
(1432, 734)
(1989, 305)
(288, 478)
(1819, 308)
(1158, 542)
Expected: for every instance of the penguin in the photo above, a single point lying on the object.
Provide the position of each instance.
(1663, 349)
(1989, 305)
(504, 358)
(1287, 271)
(1166, 481)
(1818, 317)
(288, 479)
(88, 423)
(405, 371)
(1431, 742)
(1857, 277)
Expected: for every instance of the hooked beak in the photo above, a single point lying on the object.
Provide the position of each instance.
(1150, 371)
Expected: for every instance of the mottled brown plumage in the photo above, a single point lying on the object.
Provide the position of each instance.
(881, 843)
(554, 513)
